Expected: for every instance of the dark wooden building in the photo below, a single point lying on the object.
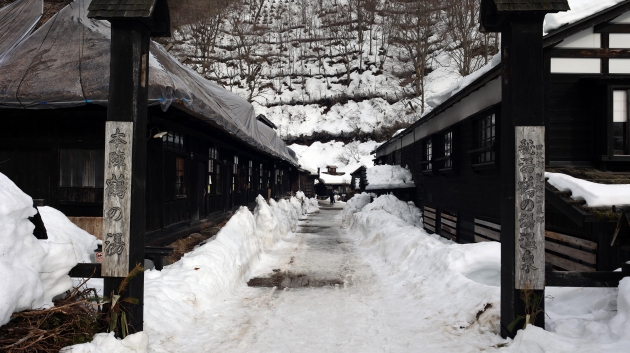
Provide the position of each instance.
(453, 151)
(207, 154)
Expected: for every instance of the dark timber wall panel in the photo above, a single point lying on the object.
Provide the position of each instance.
(569, 124)
(469, 194)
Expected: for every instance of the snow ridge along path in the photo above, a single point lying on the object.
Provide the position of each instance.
(367, 312)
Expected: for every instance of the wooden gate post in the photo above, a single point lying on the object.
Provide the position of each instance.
(522, 153)
(124, 209)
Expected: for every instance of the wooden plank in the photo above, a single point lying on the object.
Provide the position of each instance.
(117, 198)
(590, 53)
(449, 236)
(488, 224)
(449, 223)
(529, 207)
(567, 264)
(479, 239)
(449, 229)
(488, 233)
(429, 228)
(571, 240)
(574, 253)
(583, 279)
(612, 28)
(453, 218)
(429, 214)
(430, 221)
(427, 208)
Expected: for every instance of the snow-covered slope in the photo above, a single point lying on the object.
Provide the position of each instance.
(306, 65)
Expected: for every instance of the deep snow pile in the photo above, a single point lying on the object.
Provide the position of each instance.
(34, 271)
(593, 193)
(455, 282)
(187, 289)
(579, 9)
(437, 271)
(190, 288)
(388, 177)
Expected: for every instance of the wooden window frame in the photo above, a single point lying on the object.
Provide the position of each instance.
(180, 179)
(67, 167)
(485, 145)
(445, 163)
(428, 154)
(610, 138)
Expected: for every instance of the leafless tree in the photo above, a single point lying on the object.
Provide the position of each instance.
(470, 49)
(415, 30)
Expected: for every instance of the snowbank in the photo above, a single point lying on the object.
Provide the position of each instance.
(107, 343)
(579, 9)
(432, 267)
(593, 193)
(34, 271)
(177, 295)
(596, 334)
(455, 282)
(388, 177)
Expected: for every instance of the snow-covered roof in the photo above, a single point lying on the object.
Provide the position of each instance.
(595, 194)
(554, 23)
(329, 179)
(389, 177)
(66, 63)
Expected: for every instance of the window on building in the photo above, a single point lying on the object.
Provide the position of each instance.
(260, 179)
(398, 157)
(213, 171)
(173, 141)
(180, 177)
(485, 131)
(427, 154)
(80, 168)
(234, 173)
(250, 174)
(621, 145)
(446, 161)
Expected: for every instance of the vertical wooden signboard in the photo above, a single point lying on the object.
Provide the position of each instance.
(117, 198)
(530, 207)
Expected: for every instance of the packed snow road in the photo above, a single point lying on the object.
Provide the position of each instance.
(328, 298)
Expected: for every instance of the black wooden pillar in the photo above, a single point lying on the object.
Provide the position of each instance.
(522, 105)
(522, 154)
(128, 100)
(124, 206)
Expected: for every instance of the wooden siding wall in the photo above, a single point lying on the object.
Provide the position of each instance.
(466, 193)
(31, 140)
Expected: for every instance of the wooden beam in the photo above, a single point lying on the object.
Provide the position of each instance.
(571, 252)
(447, 216)
(583, 279)
(568, 210)
(429, 228)
(590, 53)
(612, 28)
(479, 239)
(488, 233)
(449, 223)
(429, 221)
(488, 224)
(567, 264)
(571, 240)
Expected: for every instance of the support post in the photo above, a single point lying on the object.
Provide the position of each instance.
(125, 165)
(124, 206)
(522, 169)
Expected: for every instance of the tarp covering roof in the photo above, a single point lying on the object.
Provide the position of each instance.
(65, 63)
(17, 20)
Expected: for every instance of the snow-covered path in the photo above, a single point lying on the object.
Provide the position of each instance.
(364, 313)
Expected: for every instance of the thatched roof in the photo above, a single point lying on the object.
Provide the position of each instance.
(532, 5)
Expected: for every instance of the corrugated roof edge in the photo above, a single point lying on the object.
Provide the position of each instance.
(551, 38)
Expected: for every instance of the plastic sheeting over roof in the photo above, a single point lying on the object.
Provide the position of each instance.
(65, 63)
(17, 20)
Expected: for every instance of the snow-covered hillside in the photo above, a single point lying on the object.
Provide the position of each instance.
(333, 68)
